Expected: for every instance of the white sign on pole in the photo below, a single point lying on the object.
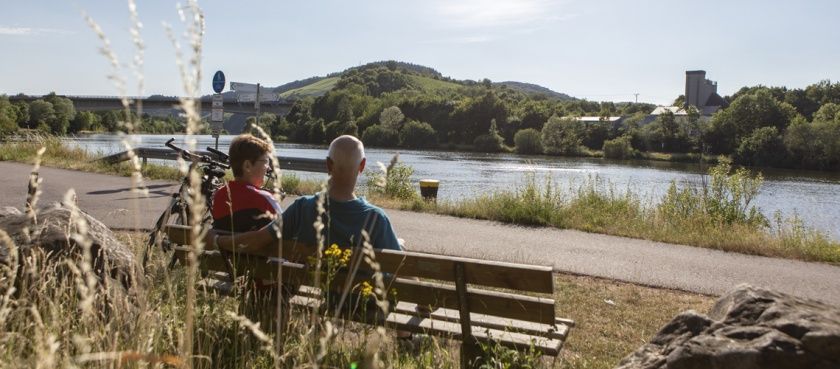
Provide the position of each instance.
(218, 101)
(252, 97)
(243, 87)
(217, 115)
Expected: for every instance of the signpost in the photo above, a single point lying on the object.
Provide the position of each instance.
(217, 114)
(248, 92)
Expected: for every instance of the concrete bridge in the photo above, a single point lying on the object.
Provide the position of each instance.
(157, 103)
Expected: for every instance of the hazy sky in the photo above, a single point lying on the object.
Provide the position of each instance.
(595, 49)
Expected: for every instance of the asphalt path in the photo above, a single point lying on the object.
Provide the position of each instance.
(110, 199)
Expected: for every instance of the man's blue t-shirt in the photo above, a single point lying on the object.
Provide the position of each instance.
(343, 223)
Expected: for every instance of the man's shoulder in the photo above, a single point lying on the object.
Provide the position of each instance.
(372, 208)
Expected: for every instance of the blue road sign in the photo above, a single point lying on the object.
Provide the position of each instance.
(218, 82)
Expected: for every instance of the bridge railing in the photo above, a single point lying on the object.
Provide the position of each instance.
(286, 163)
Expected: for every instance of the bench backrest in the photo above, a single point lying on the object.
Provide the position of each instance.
(407, 267)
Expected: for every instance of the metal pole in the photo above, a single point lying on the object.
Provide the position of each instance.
(257, 106)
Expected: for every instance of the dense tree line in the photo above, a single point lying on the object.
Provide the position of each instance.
(388, 105)
(55, 114)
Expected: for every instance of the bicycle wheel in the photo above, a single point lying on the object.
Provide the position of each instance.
(157, 238)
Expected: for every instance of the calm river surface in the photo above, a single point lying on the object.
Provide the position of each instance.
(814, 196)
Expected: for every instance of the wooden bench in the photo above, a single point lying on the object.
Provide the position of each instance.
(446, 289)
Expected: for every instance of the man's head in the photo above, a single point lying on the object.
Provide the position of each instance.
(249, 158)
(346, 159)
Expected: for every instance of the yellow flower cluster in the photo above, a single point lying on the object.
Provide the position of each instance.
(365, 289)
(336, 253)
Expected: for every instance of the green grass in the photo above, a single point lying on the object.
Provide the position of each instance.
(433, 85)
(315, 89)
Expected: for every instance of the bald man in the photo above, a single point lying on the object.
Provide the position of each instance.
(345, 217)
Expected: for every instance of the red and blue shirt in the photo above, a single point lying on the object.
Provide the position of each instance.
(241, 207)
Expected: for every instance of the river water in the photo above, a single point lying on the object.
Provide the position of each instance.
(813, 196)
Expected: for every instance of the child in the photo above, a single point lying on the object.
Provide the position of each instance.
(241, 205)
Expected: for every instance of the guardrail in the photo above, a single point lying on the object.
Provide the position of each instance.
(286, 163)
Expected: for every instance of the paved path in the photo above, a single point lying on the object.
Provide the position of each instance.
(109, 199)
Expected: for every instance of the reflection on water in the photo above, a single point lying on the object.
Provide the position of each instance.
(814, 196)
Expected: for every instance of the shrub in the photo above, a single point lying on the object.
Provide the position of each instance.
(489, 143)
(394, 182)
(619, 148)
(561, 136)
(527, 141)
(379, 135)
(417, 135)
(725, 199)
(8, 117)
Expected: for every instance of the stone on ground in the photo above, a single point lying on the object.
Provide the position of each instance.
(748, 328)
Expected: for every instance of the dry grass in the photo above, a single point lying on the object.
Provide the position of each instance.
(612, 319)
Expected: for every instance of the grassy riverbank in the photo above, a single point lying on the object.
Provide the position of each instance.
(612, 319)
(718, 216)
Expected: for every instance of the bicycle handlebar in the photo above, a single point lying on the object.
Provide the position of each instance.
(222, 156)
(187, 155)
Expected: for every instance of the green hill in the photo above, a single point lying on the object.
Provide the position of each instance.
(416, 77)
(317, 88)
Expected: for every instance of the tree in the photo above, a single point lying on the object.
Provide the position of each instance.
(8, 117)
(492, 141)
(764, 147)
(64, 113)
(22, 114)
(378, 135)
(338, 128)
(417, 135)
(619, 148)
(391, 118)
(83, 121)
(40, 113)
(561, 136)
(528, 141)
(748, 112)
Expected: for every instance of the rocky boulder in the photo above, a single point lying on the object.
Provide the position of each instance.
(747, 328)
(52, 235)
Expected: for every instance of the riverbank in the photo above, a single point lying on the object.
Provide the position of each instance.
(590, 207)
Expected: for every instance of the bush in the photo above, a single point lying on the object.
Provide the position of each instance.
(396, 183)
(417, 135)
(489, 143)
(725, 199)
(561, 136)
(619, 148)
(527, 141)
(378, 135)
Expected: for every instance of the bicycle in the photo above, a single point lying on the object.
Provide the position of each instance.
(212, 171)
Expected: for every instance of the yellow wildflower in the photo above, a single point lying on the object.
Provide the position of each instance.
(365, 289)
(345, 257)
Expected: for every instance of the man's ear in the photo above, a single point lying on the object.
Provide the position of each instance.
(330, 165)
(362, 165)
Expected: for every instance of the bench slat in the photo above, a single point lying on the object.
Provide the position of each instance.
(518, 341)
(558, 331)
(408, 321)
(520, 277)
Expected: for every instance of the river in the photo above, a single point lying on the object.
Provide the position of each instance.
(813, 196)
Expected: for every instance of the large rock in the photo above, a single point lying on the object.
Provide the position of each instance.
(50, 234)
(747, 328)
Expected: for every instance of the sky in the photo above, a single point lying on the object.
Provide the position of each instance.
(596, 49)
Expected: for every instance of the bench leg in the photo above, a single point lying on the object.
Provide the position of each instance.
(471, 354)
